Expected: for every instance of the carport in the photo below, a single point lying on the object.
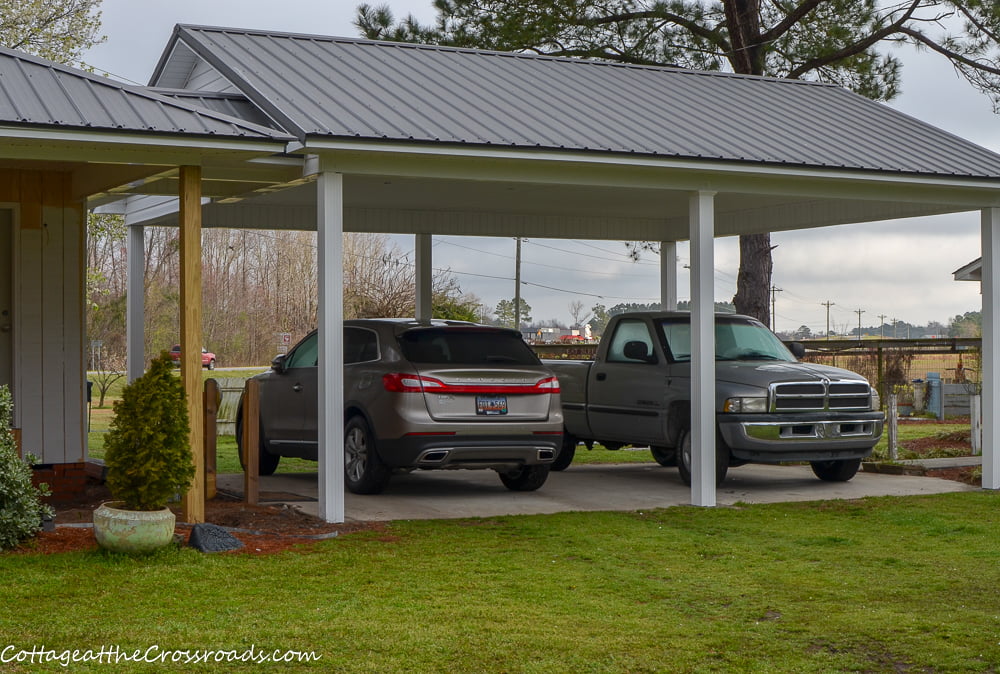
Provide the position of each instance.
(412, 139)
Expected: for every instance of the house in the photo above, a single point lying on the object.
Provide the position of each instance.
(243, 128)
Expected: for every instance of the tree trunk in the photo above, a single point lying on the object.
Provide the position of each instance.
(754, 282)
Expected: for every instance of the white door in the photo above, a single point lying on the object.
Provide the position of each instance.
(6, 308)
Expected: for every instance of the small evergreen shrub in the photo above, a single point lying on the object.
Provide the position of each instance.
(147, 451)
(21, 507)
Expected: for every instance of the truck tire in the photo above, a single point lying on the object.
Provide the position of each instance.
(526, 478)
(684, 459)
(364, 472)
(566, 453)
(664, 455)
(836, 471)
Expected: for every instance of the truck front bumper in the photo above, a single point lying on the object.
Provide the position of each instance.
(771, 438)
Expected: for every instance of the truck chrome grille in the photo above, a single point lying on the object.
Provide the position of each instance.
(820, 396)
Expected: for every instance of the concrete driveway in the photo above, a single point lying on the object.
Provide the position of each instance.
(475, 493)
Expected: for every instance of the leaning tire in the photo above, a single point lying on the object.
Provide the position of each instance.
(836, 471)
(364, 472)
(664, 455)
(267, 462)
(684, 459)
(566, 453)
(526, 478)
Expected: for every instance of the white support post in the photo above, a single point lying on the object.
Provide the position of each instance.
(330, 239)
(423, 276)
(991, 346)
(135, 302)
(668, 275)
(702, 233)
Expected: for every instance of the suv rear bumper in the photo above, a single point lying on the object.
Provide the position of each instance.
(478, 451)
(770, 438)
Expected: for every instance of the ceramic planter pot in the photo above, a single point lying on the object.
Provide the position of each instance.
(132, 531)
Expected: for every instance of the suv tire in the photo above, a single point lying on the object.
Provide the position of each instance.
(364, 472)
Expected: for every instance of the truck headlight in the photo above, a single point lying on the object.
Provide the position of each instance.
(876, 401)
(745, 406)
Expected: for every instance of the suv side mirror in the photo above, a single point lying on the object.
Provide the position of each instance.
(797, 349)
(636, 350)
(278, 364)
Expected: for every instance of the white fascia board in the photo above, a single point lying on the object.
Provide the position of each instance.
(167, 140)
(610, 169)
(138, 210)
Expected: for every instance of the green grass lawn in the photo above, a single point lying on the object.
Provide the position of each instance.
(876, 585)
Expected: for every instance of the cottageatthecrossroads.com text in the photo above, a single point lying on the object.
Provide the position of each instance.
(112, 655)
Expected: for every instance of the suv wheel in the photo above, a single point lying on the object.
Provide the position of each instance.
(211, 364)
(566, 453)
(684, 459)
(364, 472)
(526, 478)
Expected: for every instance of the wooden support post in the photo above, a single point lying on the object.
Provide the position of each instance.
(251, 442)
(191, 341)
(892, 426)
(212, 398)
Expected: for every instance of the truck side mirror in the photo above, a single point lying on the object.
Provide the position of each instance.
(797, 349)
(278, 364)
(636, 350)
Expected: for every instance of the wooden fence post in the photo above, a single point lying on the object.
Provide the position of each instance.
(892, 418)
(211, 398)
(251, 441)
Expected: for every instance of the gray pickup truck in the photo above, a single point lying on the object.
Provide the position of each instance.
(770, 407)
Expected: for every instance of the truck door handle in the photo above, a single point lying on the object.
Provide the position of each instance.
(601, 376)
(297, 388)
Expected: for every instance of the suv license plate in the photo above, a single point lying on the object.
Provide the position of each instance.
(491, 405)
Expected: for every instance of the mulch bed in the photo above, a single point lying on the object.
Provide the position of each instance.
(276, 527)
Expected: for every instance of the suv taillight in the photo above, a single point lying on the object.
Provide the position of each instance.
(400, 382)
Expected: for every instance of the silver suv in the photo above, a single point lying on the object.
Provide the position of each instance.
(428, 395)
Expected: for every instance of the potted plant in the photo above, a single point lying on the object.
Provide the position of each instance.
(148, 460)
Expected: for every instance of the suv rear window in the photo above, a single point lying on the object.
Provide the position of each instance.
(444, 346)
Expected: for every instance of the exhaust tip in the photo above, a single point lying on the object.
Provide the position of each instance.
(434, 456)
(546, 455)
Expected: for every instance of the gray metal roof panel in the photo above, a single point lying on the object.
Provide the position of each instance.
(349, 88)
(36, 92)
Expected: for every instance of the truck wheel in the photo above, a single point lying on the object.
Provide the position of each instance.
(684, 459)
(664, 455)
(526, 478)
(566, 453)
(364, 472)
(267, 462)
(836, 471)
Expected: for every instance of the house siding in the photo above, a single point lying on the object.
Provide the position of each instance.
(48, 363)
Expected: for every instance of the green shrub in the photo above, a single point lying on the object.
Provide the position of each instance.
(21, 507)
(147, 450)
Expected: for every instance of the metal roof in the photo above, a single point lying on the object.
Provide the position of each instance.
(338, 88)
(38, 93)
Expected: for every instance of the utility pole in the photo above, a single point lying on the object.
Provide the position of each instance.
(859, 312)
(517, 287)
(894, 335)
(881, 326)
(828, 304)
(774, 315)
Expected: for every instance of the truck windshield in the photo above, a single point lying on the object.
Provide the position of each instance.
(735, 339)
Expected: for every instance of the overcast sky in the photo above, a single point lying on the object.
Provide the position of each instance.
(900, 269)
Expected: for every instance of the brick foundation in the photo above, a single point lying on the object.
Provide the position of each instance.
(66, 481)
